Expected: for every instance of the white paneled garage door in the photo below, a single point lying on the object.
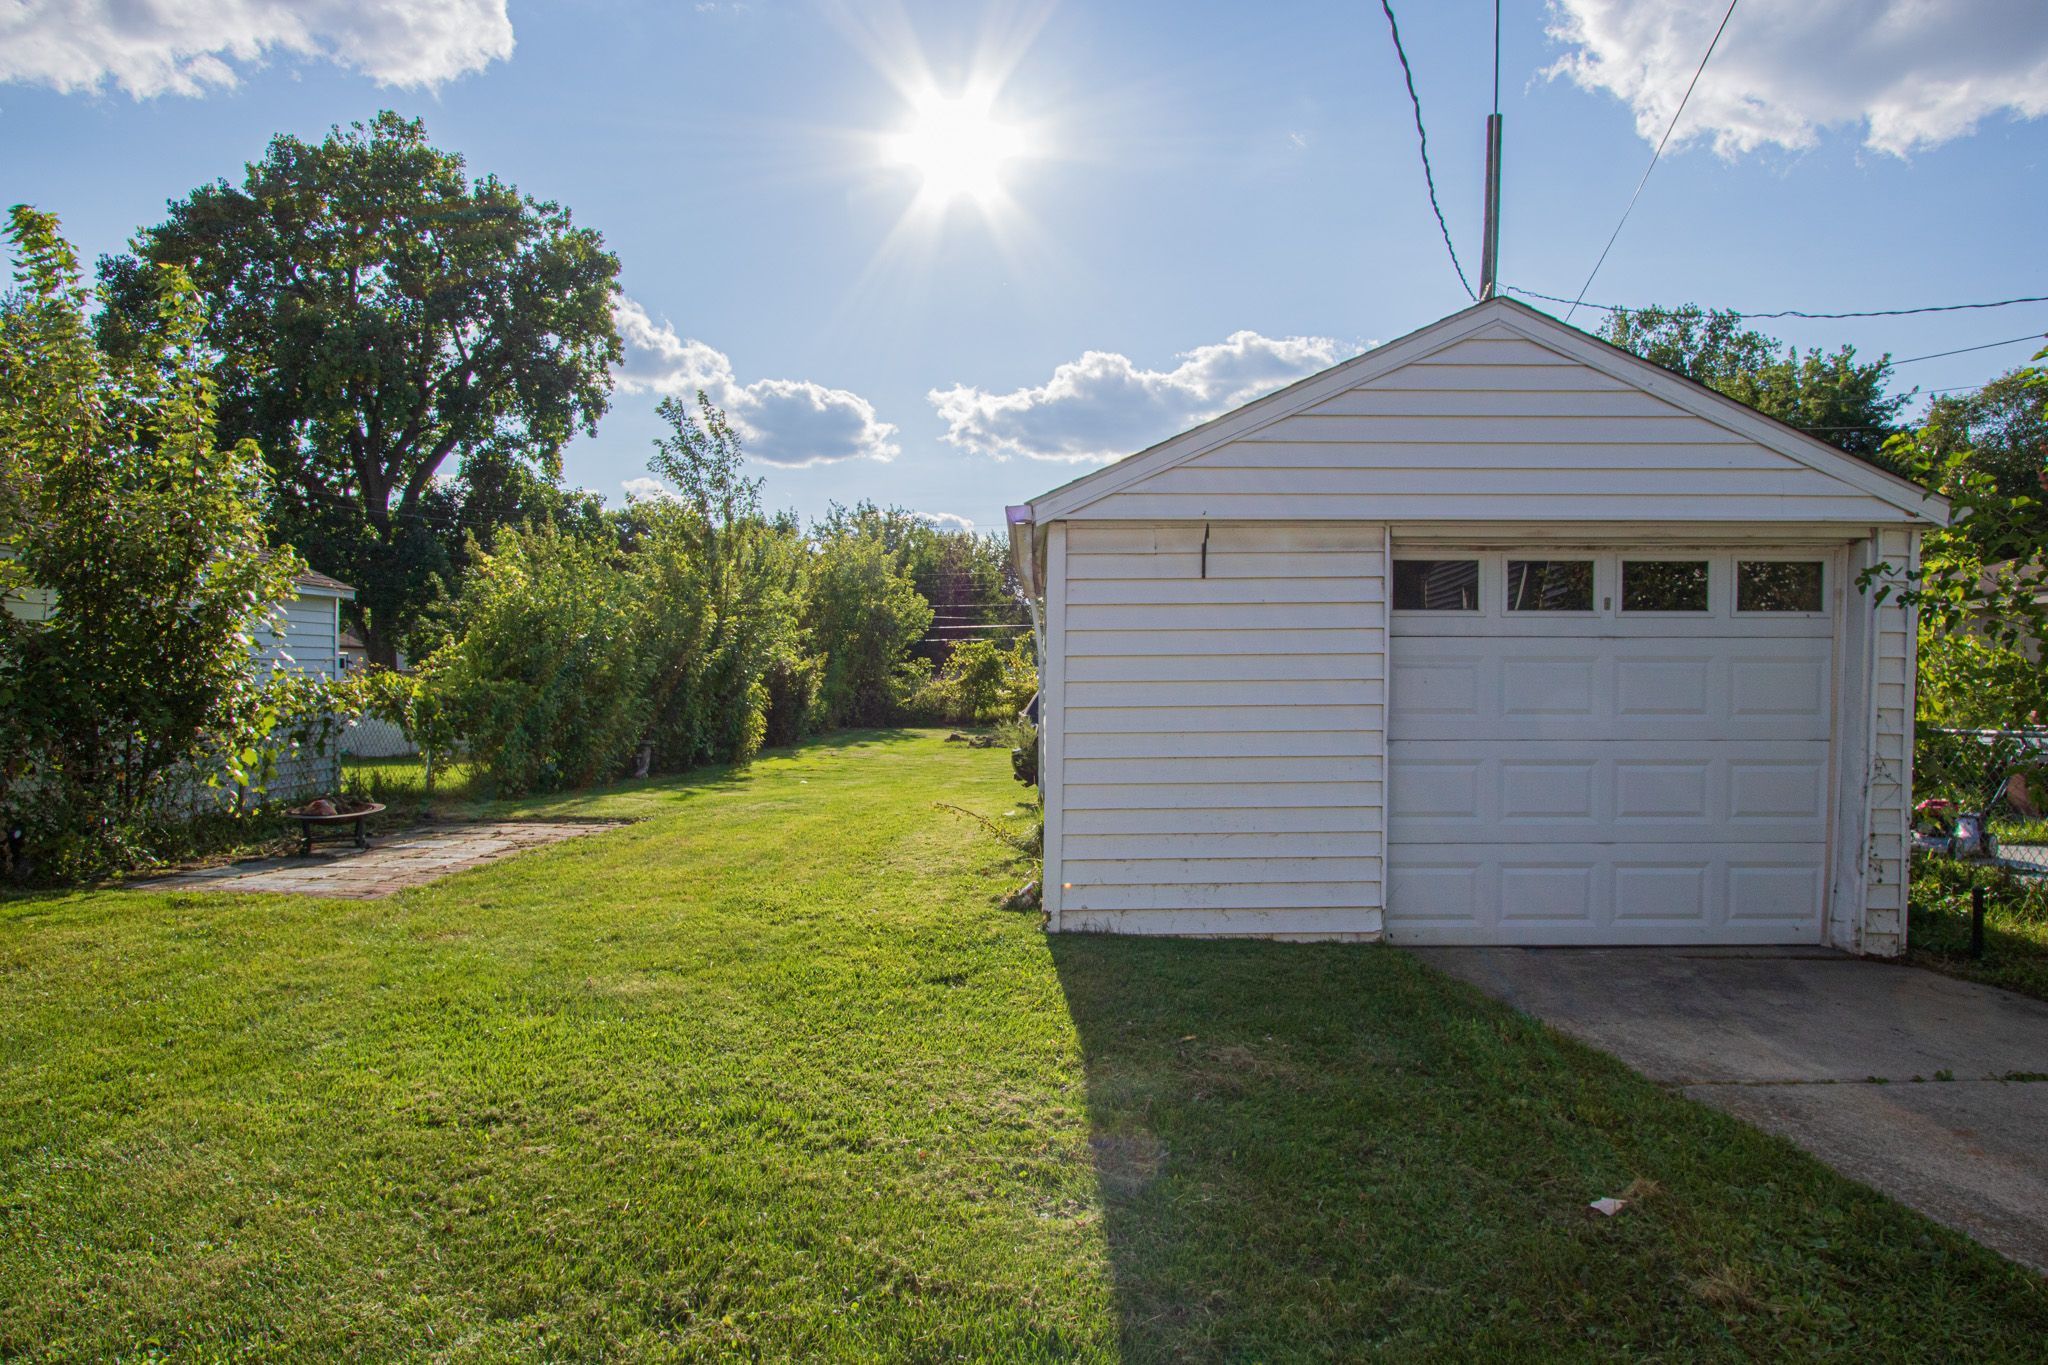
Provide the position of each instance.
(1609, 747)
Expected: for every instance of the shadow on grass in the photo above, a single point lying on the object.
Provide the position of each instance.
(842, 739)
(624, 796)
(1243, 1160)
(1327, 1151)
(18, 902)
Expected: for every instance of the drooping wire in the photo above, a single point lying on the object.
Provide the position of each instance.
(1795, 312)
(1422, 138)
(1668, 130)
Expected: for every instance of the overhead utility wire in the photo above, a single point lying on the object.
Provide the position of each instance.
(1795, 312)
(1669, 129)
(1422, 137)
(1965, 350)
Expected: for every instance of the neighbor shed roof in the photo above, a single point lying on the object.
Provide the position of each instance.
(314, 584)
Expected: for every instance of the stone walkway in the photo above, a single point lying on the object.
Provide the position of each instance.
(392, 863)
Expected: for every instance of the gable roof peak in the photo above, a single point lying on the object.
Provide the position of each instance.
(1498, 318)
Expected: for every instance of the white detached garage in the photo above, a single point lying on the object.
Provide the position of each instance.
(1494, 634)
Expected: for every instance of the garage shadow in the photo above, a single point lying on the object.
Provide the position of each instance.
(1327, 1151)
(1274, 1178)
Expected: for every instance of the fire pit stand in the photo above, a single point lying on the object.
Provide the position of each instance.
(345, 817)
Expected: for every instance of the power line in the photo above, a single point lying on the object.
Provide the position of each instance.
(1965, 350)
(1669, 129)
(1792, 312)
(1422, 138)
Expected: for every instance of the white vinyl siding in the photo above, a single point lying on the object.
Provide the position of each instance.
(1890, 782)
(1215, 748)
(306, 638)
(1218, 741)
(1492, 427)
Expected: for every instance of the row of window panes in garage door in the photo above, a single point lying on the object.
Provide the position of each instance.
(1678, 585)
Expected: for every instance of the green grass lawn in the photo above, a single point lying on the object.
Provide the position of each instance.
(2015, 924)
(401, 782)
(768, 1075)
(2012, 829)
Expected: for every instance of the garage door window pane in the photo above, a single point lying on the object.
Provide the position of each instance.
(1664, 585)
(1778, 585)
(1436, 585)
(1550, 585)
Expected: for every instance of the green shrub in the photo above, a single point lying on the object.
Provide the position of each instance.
(1021, 736)
(861, 615)
(792, 687)
(980, 683)
(1019, 681)
(412, 702)
(548, 680)
(719, 595)
(136, 689)
(974, 676)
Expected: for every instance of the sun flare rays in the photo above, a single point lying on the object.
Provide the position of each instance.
(957, 146)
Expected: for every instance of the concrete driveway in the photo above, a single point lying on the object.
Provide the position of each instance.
(1932, 1090)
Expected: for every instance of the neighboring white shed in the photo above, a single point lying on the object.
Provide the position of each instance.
(303, 637)
(1493, 634)
(306, 638)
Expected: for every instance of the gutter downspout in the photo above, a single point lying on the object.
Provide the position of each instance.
(1024, 555)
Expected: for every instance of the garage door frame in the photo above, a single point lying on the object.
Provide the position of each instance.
(1493, 552)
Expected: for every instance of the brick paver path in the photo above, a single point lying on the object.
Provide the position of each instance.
(392, 863)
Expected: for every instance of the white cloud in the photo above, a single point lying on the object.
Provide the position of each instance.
(789, 422)
(644, 489)
(188, 47)
(1103, 406)
(947, 521)
(1905, 73)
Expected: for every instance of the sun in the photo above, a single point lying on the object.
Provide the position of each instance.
(957, 147)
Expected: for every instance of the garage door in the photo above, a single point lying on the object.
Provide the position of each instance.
(1610, 748)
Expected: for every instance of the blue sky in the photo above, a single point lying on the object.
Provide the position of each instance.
(1211, 199)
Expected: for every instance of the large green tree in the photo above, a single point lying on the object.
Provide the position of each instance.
(377, 314)
(2000, 432)
(1832, 395)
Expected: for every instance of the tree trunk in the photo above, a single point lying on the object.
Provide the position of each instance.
(381, 648)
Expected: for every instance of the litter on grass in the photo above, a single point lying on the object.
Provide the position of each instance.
(1609, 1207)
